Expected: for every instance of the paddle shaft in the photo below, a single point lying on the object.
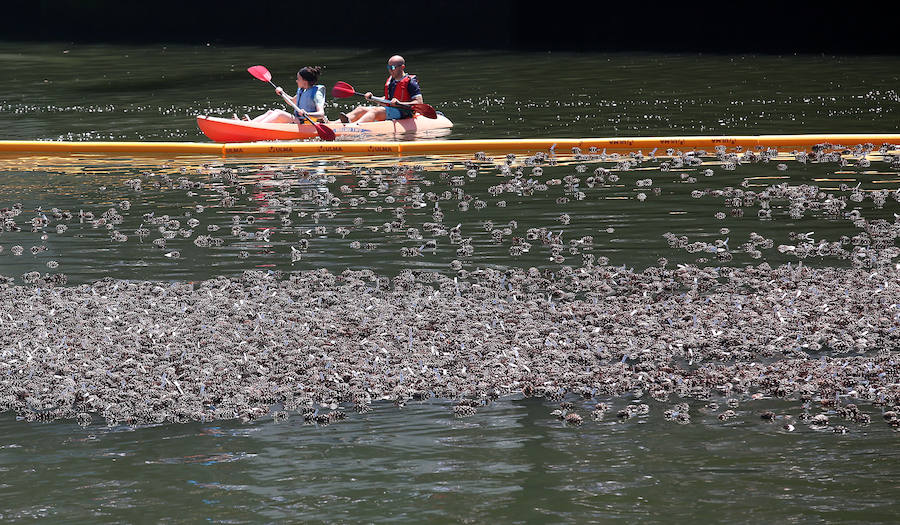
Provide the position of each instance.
(290, 102)
(261, 73)
(387, 102)
(324, 132)
(343, 90)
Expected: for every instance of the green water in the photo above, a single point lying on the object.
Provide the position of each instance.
(512, 462)
(133, 93)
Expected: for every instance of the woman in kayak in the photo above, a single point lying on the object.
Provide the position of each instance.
(310, 99)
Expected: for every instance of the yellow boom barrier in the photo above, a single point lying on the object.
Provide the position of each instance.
(439, 147)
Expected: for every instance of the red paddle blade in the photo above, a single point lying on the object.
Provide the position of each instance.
(261, 73)
(342, 90)
(425, 110)
(325, 133)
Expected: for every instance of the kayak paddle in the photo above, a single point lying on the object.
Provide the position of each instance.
(261, 73)
(344, 90)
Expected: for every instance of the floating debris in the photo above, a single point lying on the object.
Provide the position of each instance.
(236, 349)
(311, 341)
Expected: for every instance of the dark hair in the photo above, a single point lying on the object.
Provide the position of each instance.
(310, 73)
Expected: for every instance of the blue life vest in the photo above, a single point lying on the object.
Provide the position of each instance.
(306, 98)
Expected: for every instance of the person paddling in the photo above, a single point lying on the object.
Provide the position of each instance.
(310, 99)
(400, 87)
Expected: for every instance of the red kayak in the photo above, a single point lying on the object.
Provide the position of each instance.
(236, 130)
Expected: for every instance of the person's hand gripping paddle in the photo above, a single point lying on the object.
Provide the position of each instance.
(344, 90)
(261, 73)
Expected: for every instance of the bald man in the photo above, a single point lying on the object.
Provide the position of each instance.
(399, 87)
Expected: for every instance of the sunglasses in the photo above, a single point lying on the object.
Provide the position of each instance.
(392, 67)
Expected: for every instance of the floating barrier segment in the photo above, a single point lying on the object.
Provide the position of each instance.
(439, 147)
(149, 148)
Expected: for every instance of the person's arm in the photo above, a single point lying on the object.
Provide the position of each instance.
(296, 99)
(385, 102)
(413, 87)
(320, 104)
(415, 100)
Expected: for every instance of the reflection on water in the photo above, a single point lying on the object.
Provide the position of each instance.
(197, 217)
(509, 463)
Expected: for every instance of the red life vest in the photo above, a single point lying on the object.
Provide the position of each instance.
(401, 90)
